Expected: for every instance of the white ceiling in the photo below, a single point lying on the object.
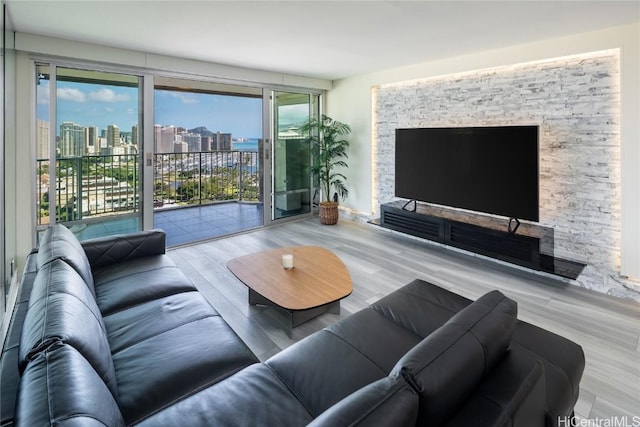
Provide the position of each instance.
(323, 39)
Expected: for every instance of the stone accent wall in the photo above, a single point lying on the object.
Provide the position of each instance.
(576, 102)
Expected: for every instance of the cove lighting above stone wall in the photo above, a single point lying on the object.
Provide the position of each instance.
(576, 102)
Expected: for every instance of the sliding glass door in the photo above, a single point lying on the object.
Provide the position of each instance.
(207, 165)
(88, 150)
(291, 183)
(220, 158)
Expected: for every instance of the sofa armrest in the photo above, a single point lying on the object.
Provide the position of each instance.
(9, 372)
(109, 250)
(528, 405)
(511, 397)
(563, 361)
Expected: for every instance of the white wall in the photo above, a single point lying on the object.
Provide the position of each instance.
(350, 101)
(51, 46)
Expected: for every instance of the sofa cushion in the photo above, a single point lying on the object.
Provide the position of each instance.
(130, 326)
(446, 366)
(59, 387)
(177, 362)
(373, 334)
(388, 402)
(137, 281)
(58, 242)
(322, 369)
(254, 396)
(62, 309)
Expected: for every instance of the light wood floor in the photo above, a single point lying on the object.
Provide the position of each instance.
(381, 261)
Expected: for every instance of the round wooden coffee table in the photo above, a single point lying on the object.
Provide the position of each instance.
(316, 284)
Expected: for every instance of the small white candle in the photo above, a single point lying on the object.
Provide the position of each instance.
(287, 261)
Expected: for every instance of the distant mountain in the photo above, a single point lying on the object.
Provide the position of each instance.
(202, 131)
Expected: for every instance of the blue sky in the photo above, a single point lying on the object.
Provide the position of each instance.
(90, 104)
(240, 116)
(101, 105)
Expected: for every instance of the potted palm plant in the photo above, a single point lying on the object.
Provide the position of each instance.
(328, 152)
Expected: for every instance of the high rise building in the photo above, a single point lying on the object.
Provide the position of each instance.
(205, 143)
(135, 136)
(180, 147)
(157, 138)
(102, 144)
(71, 139)
(113, 136)
(193, 141)
(92, 140)
(43, 137)
(222, 141)
(168, 135)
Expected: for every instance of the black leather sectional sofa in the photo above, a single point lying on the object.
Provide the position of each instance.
(110, 333)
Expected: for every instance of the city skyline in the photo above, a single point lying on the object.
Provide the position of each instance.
(100, 105)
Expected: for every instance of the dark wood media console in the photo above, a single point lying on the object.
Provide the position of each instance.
(531, 246)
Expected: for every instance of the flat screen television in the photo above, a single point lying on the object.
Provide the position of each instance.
(485, 169)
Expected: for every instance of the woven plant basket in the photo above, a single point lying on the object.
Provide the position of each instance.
(328, 213)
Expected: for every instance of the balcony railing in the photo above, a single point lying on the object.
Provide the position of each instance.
(98, 185)
(206, 177)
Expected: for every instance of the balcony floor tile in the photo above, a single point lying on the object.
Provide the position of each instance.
(190, 224)
(183, 225)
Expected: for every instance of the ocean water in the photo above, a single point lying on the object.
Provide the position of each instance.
(250, 145)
